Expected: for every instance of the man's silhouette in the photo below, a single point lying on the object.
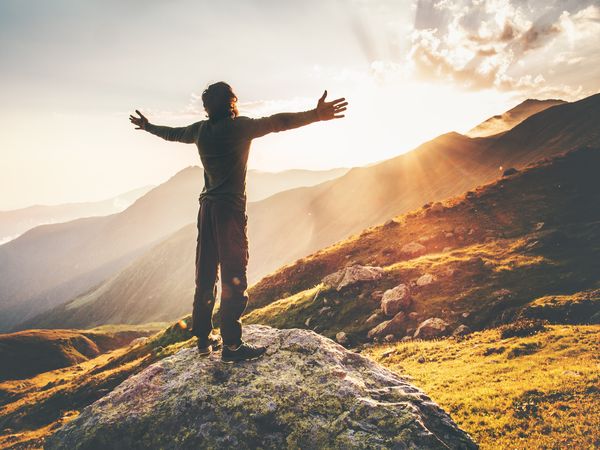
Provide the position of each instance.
(223, 142)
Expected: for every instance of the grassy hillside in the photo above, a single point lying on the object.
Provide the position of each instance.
(533, 392)
(28, 353)
(493, 253)
(294, 223)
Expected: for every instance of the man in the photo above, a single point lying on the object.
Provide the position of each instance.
(223, 142)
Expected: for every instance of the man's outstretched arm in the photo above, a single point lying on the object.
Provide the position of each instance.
(287, 121)
(178, 134)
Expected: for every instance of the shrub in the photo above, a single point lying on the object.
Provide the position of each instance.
(522, 328)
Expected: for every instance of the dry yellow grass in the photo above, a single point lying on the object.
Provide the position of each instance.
(536, 392)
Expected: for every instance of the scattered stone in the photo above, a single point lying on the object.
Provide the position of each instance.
(539, 226)
(390, 223)
(351, 275)
(376, 295)
(413, 249)
(461, 330)
(508, 172)
(373, 318)
(446, 249)
(413, 315)
(341, 338)
(449, 235)
(324, 301)
(465, 314)
(471, 231)
(430, 328)
(324, 309)
(421, 359)
(425, 279)
(305, 392)
(395, 300)
(406, 339)
(388, 353)
(502, 294)
(389, 338)
(392, 326)
(307, 322)
(425, 238)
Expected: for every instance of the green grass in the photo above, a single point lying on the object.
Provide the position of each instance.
(535, 392)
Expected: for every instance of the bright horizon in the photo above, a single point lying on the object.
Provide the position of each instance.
(72, 73)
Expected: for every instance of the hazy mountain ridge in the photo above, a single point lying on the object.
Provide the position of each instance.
(85, 252)
(511, 118)
(15, 222)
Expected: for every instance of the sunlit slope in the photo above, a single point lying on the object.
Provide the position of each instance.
(532, 392)
(493, 254)
(511, 118)
(28, 353)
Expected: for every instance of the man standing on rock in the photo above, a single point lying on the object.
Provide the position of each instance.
(223, 141)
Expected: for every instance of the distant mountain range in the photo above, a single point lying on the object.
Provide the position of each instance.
(51, 264)
(15, 222)
(158, 283)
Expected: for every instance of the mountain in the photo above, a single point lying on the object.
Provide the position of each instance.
(524, 247)
(295, 223)
(264, 184)
(15, 222)
(32, 352)
(52, 263)
(511, 118)
(87, 251)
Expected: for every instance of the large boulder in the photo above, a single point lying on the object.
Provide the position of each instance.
(307, 392)
(395, 300)
(430, 328)
(351, 275)
(393, 326)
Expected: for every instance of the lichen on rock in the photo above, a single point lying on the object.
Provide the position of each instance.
(307, 392)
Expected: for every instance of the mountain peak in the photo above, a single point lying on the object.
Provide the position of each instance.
(306, 392)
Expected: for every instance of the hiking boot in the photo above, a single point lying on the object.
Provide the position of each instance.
(206, 346)
(245, 352)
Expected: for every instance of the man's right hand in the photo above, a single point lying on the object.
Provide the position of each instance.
(139, 122)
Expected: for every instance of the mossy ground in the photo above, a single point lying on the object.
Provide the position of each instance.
(535, 392)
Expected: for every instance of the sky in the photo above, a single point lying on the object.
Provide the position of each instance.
(71, 72)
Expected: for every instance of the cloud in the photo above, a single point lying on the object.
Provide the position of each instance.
(480, 44)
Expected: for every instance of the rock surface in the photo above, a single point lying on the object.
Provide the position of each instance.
(306, 392)
(351, 275)
(393, 326)
(395, 300)
(413, 249)
(430, 328)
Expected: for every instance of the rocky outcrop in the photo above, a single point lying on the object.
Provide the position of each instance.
(394, 326)
(395, 300)
(351, 275)
(431, 328)
(307, 392)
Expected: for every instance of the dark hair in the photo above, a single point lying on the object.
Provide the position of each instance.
(219, 101)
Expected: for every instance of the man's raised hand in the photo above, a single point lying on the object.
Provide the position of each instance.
(139, 122)
(331, 110)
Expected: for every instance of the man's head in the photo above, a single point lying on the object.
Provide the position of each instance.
(219, 101)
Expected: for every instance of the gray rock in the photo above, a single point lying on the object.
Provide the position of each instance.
(425, 279)
(351, 275)
(433, 327)
(306, 392)
(392, 326)
(341, 337)
(373, 318)
(413, 249)
(395, 300)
